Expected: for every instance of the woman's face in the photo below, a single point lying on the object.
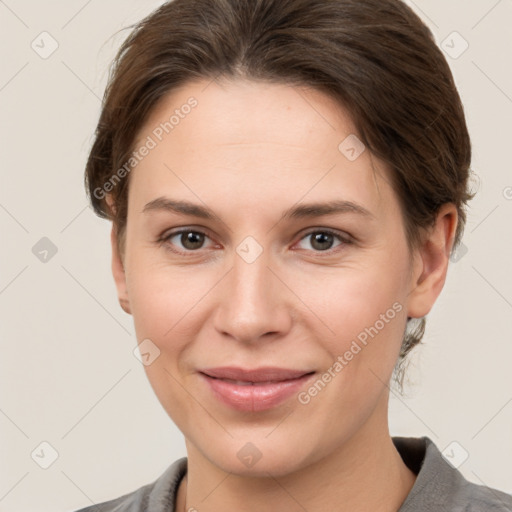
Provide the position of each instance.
(266, 279)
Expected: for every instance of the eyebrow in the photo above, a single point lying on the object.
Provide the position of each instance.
(301, 211)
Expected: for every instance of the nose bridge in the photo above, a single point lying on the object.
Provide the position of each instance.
(252, 303)
(251, 275)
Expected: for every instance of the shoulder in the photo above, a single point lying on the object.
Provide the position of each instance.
(441, 486)
(131, 502)
(471, 497)
(158, 496)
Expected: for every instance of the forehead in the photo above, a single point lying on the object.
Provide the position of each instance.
(254, 142)
(225, 105)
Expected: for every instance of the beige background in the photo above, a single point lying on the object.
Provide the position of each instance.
(67, 371)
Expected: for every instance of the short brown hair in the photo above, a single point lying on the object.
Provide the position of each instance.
(375, 57)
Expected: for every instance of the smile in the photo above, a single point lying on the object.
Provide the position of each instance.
(254, 390)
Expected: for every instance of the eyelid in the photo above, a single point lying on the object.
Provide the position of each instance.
(342, 235)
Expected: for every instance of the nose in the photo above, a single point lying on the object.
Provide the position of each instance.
(254, 302)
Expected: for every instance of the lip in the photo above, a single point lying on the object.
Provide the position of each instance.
(254, 390)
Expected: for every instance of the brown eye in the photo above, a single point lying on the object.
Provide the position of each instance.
(323, 240)
(185, 240)
(192, 239)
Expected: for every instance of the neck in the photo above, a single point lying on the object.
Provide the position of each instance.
(366, 473)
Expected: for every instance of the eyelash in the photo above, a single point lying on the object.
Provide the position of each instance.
(164, 240)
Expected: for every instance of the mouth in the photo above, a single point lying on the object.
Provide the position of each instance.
(254, 390)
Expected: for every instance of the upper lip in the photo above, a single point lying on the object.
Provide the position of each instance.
(263, 374)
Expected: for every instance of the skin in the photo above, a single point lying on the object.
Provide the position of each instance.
(249, 151)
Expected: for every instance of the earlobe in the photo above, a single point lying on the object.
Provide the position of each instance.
(432, 261)
(119, 274)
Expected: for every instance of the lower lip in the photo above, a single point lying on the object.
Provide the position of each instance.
(255, 397)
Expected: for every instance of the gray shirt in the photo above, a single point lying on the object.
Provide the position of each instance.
(439, 487)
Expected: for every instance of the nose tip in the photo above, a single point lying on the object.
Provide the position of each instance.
(252, 303)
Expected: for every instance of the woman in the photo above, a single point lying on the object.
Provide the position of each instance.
(286, 180)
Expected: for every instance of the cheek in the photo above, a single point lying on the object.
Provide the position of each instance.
(365, 311)
(162, 305)
(355, 304)
(162, 298)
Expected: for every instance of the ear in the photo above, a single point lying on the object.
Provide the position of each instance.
(119, 273)
(117, 262)
(431, 262)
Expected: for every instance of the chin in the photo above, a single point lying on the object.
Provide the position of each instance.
(260, 457)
